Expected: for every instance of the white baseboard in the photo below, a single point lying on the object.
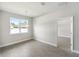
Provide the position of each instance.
(76, 51)
(15, 42)
(48, 43)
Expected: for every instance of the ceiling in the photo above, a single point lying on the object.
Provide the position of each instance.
(31, 9)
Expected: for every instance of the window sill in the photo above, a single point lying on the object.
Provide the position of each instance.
(18, 33)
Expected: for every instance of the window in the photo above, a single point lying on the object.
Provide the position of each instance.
(24, 26)
(18, 26)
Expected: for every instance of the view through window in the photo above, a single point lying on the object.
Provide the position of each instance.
(18, 25)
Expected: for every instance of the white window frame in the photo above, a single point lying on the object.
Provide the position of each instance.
(19, 31)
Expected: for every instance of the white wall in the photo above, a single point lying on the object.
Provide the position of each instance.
(46, 31)
(0, 34)
(71, 9)
(6, 37)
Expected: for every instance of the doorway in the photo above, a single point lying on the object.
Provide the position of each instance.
(65, 33)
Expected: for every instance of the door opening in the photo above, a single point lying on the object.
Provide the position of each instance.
(65, 33)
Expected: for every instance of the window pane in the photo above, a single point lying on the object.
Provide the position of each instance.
(24, 26)
(14, 25)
